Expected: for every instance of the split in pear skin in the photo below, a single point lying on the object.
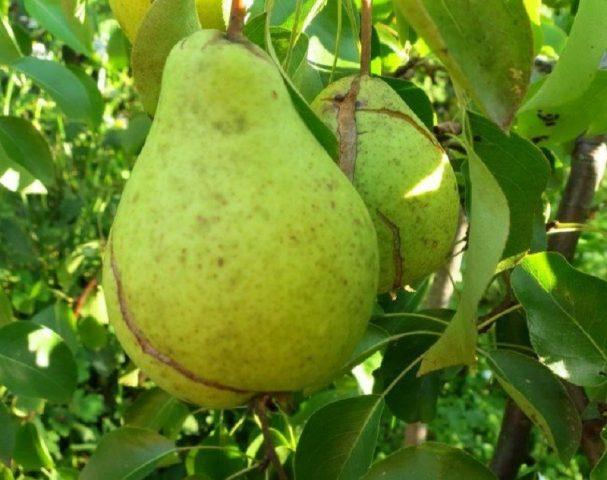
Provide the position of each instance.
(130, 14)
(401, 172)
(241, 260)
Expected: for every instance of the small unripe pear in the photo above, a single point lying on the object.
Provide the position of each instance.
(241, 260)
(130, 14)
(401, 172)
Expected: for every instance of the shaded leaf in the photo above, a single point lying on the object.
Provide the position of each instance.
(127, 453)
(429, 461)
(6, 311)
(522, 172)
(9, 49)
(27, 148)
(492, 64)
(566, 312)
(542, 397)
(36, 362)
(412, 398)
(31, 452)
(8, 434)
(166, 22)
(414, 97)
(157, 410)
(60, 319)
(338, 440)
(600, 470)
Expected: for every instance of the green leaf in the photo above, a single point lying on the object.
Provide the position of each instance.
(9, 50)
(338, 440)
(430, 461)
(318, 128)
(489, 227)
(92, 333)
(166, 22)
(31, 452)
(25, 147)
(412, 398)
(60, 319)
(36, 362)
(8, 434)
(414, 97)
(542, 397)
(64, 87)
(127, 453)
(522, 172)
(565, 311)
(576, 91)
(222, 459)
(157, 410)
(58, 17)
(6, 311)
(492, 64)
(600, 470)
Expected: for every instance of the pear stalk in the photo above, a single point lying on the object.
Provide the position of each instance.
(366, 34)
(238, 13)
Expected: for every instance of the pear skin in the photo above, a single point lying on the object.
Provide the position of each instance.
(241, 260)
(130, 14)
(402, 174)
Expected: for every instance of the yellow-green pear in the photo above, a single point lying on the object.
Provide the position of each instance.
(402, 174)
(130, 14)
(241, 260)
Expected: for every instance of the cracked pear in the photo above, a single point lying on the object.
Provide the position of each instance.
(400, 171)
(241, 260)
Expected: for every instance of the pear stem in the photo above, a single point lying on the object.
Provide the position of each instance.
(260, 406)
(366, 36)
(237, 16)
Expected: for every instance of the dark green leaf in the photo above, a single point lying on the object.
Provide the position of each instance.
(600, 470)
(27, 148)
(492, 64)
(36, 362)
(412, 398)
(8, 434)
(414, 97)
(430, 461)
(60, 319)
(542, 397)
(127, 453)
(6, 311)
(64, 87)
(157, 410)
(9, 50)
(31, 452)
(566, 311)
(338, 441)
(522, 172)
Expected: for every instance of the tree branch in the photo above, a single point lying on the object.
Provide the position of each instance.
(260, 407)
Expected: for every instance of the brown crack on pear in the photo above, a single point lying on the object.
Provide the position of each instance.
(145, 344)
(396, 253)
(347, 129)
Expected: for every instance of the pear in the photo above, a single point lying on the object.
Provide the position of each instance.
(402, 174)
(241, 260)
(130, 14)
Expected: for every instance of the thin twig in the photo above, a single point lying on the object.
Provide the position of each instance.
(366, 36)
(83, 297)
(238, 13)
(260, 407)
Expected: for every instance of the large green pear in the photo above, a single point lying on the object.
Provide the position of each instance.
(402, 174)
(241, 260)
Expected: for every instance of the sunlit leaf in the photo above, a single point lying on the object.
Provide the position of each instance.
(36, 362)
